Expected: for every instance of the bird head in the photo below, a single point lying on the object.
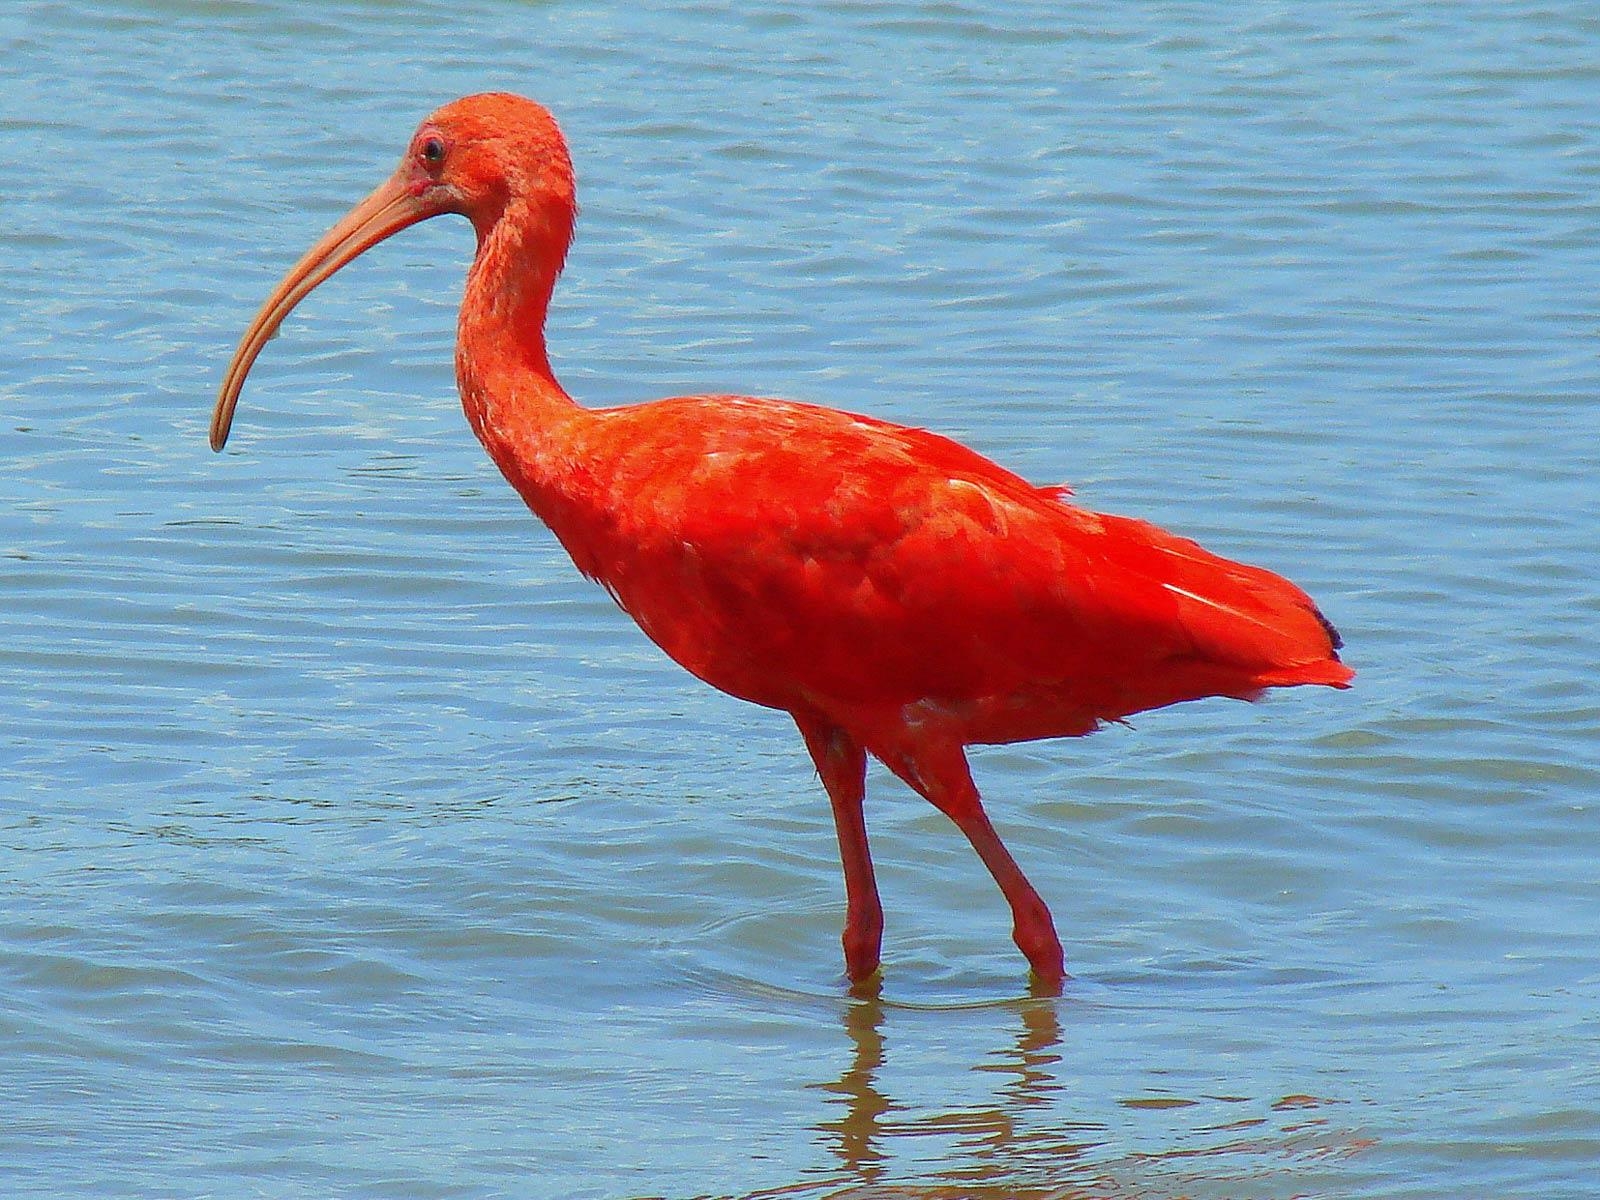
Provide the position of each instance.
(484, 157)
(480, 154)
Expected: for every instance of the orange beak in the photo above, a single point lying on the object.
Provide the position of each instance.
(391, 208)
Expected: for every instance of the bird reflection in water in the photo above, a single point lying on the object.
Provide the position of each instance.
(999, 1148)
(1018, 1148)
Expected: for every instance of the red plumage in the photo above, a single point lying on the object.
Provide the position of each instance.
(800, 557)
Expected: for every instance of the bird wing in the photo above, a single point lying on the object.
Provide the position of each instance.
(792, 554)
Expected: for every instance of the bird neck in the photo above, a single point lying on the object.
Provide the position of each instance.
(509, 393)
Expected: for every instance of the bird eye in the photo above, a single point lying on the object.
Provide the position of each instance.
(432, 151)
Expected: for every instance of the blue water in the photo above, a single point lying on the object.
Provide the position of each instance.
(353, 846)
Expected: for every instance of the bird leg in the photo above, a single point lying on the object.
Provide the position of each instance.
(943, 778)
(842, 764)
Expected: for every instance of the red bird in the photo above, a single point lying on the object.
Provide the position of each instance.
(896, 593)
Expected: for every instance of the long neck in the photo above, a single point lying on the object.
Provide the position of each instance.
(509, 393)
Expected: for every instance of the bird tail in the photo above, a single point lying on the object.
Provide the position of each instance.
(1245, 620)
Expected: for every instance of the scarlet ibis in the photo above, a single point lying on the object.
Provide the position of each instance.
(896, 593)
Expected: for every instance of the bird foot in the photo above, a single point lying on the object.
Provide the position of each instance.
(867, 987)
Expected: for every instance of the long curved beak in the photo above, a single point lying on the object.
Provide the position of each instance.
(391, 208)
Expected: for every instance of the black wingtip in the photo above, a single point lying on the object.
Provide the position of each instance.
(1334, 639)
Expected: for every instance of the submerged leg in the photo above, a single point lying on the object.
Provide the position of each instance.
(942, 776)
(843, 767)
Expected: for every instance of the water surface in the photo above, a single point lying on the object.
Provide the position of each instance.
(353, 846)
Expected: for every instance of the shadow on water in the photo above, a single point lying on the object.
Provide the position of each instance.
(1018, 1146)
